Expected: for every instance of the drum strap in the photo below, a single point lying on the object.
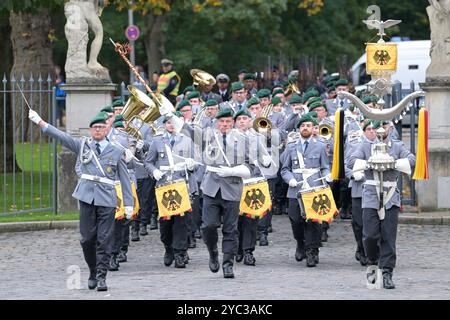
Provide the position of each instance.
(301, 161)
(170, 158)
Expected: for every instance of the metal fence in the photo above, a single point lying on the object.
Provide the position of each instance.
(28, 158)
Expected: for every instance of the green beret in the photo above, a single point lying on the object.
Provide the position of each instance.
(341, 82)
(312, 114)
(276, 100)
(253, 101)
(235, 86)
(292, 78)
(107, 109)
(330, 84)
(119, 117)
(332, 88)
(317, 105)
(307, 118)
(178, 114)
(100, 117)
(193, 94)
(277, 91)
(263, 93)
(385, 122)
(310, 94)
(369, 99)
(314, 100)
(183, 103)
(296, 99)
(242, 112)
(118, 124)
(118, 103)
(227, 112)
(249, 76)
(168, 117)
(284, 84)
(375, 123)
(211, 103)
(188, 88)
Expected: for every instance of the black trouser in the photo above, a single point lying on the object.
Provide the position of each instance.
(247, 228)
(266, 221)
(195, 216)
(342, 194)
(121, 236)
(174, 232)
(146, 196)
(305, 232)
(357, 224)
(382, 232)
(213, 209)
(280, 193)
(97, 235)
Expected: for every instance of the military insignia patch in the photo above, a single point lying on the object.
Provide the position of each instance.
(109, 169)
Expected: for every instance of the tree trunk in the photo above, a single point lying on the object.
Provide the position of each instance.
(6, 149)
(154, 42)
(32, 52)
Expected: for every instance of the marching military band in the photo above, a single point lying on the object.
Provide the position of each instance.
(231, 160)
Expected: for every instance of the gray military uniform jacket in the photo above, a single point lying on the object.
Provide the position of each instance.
(123, 140)
(147, 136)
(397, 150)
(113, 165)
(333, 104)
(315, 157)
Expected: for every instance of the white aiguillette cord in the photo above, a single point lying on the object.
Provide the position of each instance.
(220, 149)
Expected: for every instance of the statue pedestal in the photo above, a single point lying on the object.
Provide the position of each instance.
(83, 102)
(432, 194)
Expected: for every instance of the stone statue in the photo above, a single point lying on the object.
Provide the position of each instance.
(83, 15)
(439, 14)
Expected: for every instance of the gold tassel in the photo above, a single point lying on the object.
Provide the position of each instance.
(337, 170)
(421, 170)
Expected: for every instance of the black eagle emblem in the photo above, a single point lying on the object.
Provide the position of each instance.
(171, 199)
(321, 204)
(381, 57)
(254, 199)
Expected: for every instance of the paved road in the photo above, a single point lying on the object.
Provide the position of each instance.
(34, 265)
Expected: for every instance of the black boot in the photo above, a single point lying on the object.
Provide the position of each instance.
(363, 260)
(269, 229)
(263, 240)
(310, 258)
(198, 234)
(276, 210)
(192, 243)
(186, 257)
(122, 257)
(153, 223)
(168, 256)
(101, 280)
(387, 279)
(249, 259)
(179, 260)
(300, 252)
(358, 255)
(324, 235)
(135, 235)
(143, 230)
(92, 281)
(227, 265)
(316, 255)
(113, 263)
(214, 259)
(239, 256)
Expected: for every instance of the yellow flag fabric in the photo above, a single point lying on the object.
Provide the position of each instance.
(120, 208)
(255, 200)
(319, 205)
(136, 206)
(381, 57)
(173, 199)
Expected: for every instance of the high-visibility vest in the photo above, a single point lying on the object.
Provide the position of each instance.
(164, 81)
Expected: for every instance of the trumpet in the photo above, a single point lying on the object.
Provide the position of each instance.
(325, 131)
(262, 122)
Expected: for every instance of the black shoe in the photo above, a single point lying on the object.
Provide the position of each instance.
(214, 260)
(168, 257)
(92, 281)
(198, 234)
(300, 253)
(387, 279)
(143, 230)
(135, 236)
(269, 229)
(113, 263)
(342, 214)
(324, 235)
(363, 260)
(101, 281)
(192, 243)
(316, 255)
(179, 261)
(276, 210)
(239, 256)
(263, 240)
(186, 257)
(310, 258)
(249, 259)
(227, 266)
(153, 224)
(122, 257)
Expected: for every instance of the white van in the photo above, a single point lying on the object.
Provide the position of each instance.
(412, 63)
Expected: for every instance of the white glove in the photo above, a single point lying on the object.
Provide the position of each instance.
(328, 178)
(225, 172)
(128, 212)
(358, 175)
(157, 174)
(293, 183)
(34, 116)
(265, 161)
(139, 144)
(190, 164)
(403, 165)
(128, 155)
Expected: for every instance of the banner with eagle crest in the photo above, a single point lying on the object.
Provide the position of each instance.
(173, 199)
(120, 208)
(381, 57)
(319, 205)
(255, 199)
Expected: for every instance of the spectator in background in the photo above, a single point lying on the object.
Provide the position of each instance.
(60, 96)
